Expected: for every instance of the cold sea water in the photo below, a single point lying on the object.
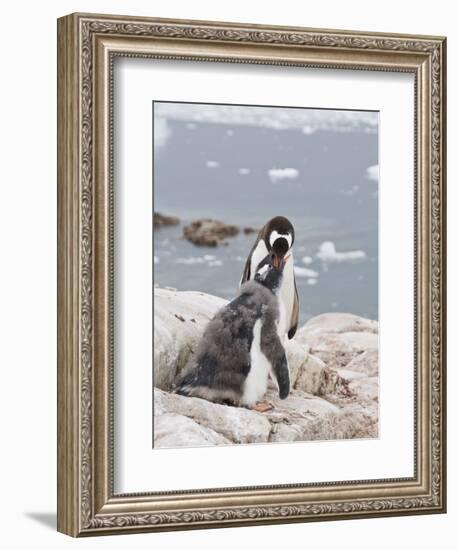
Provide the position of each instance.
(325, 181)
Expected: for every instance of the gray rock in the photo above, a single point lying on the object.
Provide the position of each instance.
(179, 320)
(333, 363)
(207, 232)
(236, 424)
(339, 338)
(161, 220)
(337, 323)
(175, 430)
(365, 363)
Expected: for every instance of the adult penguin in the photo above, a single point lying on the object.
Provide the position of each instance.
(277, 238)
(242, 345)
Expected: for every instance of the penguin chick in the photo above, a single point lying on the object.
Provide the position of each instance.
(277, 237)
(241, 345)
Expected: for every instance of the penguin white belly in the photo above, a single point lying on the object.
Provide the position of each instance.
(283, 321)
(255, 385)
(286, 294)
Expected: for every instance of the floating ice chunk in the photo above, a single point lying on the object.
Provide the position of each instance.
(328, 253)
(190, 261)
(304, 272)
(278, 174)
(372, 173)
(229, 132)
(308, 130)
(212, 164)
(312, 282)
(156, 260)
(209, 257)
(307, 260)
(162, 132)
(215, 263)
(244, 171)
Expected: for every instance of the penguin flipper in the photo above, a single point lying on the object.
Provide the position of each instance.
(295, 314)
(246, 271)
(281, 371)
(246, 275)
(273, 349)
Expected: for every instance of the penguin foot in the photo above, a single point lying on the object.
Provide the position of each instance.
(263, 407)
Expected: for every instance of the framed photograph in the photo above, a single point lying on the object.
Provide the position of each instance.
(251, 289)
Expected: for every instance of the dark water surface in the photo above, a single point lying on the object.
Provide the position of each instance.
(197, 174)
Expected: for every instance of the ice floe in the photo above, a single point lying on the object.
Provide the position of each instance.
(304, 120)
(208, 259)
(162, 131)
(328, 253)
(372, 172)
(278, 174)
(212, 164)
(305, 272)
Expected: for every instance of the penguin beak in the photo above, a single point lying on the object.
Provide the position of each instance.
(278, 262)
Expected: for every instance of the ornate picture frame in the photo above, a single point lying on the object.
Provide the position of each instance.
(87, 46)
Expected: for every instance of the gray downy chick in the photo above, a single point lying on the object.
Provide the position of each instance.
(243, 344)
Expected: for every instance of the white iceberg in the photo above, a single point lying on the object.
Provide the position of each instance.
(244, 171)
(306, 120)
(372, 172)
(190, 261)
(278, 174)
(328, 253)
(305, 272)
(162, 132)
(212, 164)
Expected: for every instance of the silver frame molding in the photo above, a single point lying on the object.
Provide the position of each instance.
(87, 45)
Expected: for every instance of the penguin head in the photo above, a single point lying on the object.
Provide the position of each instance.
(278, 234)
(269, 272)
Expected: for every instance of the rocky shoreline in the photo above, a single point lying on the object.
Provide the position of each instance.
(203, 231)
(333, 362)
